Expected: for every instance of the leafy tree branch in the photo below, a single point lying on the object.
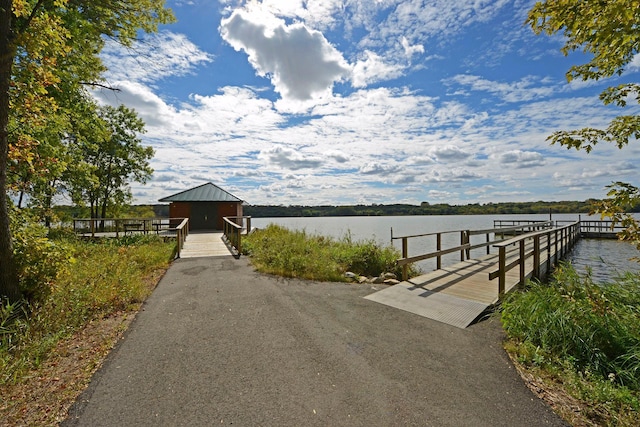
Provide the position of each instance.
(608, 31)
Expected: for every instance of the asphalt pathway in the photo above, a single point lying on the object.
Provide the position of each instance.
(219, 344)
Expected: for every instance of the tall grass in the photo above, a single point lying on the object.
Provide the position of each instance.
(101, 279)
(294, 253)
(588, 333)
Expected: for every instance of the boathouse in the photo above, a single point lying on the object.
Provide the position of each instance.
(205, 206)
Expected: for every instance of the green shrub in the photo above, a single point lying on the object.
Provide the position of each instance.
(294, 253)
(102, 278)
(585, 333)
(595, 327)
(38, 259)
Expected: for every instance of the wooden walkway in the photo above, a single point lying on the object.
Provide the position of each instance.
(455, 295)
(204, 244)
(460, 293)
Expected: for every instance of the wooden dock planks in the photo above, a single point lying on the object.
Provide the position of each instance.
(204, 244)
(455, 295)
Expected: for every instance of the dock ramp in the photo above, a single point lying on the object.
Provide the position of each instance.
(438, 306)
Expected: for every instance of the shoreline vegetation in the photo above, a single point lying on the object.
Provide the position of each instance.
(296, 253)
(576, 344)
(80, 297)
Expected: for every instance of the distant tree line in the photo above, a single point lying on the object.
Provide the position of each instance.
(425, 208)
(66, 213)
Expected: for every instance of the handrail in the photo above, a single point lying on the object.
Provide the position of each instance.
(182, 231)
(464, 248)
(531, 226)
(599, 228)
(232, 230)
(123, 225)
(560, 239)
(416, 258)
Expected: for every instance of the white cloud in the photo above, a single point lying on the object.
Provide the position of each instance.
(376, 168)
(440, 195)
(449, 153)
(338, 156)
(409, 50)
(153, 58)
(634, 65)
(299, 61)
(290, 159)
(373, 69)
(526, 89)
(149, 106)
(520, 159)
(406, 141)
(315, 13)
(420, 21)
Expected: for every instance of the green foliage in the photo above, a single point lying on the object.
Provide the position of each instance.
(596, 327)
(367, 258)
(277, 250)
(104, 278)
(622, 198)
(585, 332)
(110, 159)
(48, 55)
(609, 32)
(39, 260)
(11, 326)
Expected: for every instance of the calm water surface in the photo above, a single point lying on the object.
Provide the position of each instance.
(605, 258)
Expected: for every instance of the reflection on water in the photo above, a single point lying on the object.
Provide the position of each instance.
(606, 258)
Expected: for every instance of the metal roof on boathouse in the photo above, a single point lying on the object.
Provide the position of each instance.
(203, 193)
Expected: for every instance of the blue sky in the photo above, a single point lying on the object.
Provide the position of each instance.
(359, 102)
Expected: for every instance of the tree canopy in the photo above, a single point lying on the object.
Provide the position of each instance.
(49, 55)
(608, 32)
(108, 159)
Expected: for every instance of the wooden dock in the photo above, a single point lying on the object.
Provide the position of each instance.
(458, 294)
(455, 295)
(204, 244)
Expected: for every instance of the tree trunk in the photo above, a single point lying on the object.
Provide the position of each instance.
(103, 215)
(48, 203)
(104, 208)
(8, 274)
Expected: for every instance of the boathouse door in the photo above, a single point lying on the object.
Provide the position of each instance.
(203, 216)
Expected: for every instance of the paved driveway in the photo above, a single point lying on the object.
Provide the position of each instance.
(219, 344)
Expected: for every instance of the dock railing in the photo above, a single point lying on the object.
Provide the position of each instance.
(466, 245)
(182, 231)
(233, 226)
(599, 229)
(545, 247)
(115, 227)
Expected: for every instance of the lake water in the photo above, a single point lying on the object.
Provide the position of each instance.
(606, 258)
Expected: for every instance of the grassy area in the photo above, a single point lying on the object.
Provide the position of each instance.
(584, 338)
(277, 250)
(99, 281)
